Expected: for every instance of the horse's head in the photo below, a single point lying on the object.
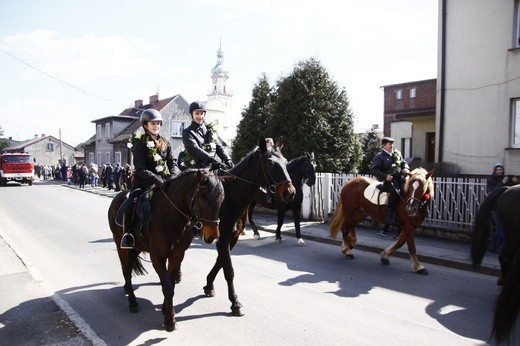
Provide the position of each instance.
(309, 169)
(206, 205)
(275, 175)
(418, 191)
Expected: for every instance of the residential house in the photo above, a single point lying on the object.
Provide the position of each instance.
(409, 117)
(478, 83)
(45, 150)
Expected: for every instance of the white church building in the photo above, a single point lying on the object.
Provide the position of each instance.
(219, 103)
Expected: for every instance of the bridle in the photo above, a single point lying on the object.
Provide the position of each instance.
(194, 215)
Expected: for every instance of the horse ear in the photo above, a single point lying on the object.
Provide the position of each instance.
(430, 173)
(262, 144)
(280, 143)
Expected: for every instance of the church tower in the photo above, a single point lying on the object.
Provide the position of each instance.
(219, 105)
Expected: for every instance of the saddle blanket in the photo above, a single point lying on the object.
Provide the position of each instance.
(372, 193)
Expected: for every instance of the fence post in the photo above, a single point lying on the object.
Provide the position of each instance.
(306, 203)
(327, 195)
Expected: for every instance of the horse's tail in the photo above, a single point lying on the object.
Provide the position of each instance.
(135, 262)
(507, 305)
(336, 220)
(482, 227)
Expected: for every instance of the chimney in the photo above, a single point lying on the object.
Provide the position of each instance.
(36, 136)
(43, 135)
(138, 103)
(154, 98)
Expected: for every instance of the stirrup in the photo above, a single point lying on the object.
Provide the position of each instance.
(127, 242)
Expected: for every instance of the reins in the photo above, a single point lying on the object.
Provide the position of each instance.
(266, 173)
(195, 218)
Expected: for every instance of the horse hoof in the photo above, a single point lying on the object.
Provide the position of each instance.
(422, 271)
(385, 261)
(301, 242)
(349, 256)
(278, 240)
(134, 308)
(257, 236)
(171, 328)
(236, 310)
(209, 292)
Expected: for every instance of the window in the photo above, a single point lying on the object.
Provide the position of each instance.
(517, 24)
(91, 157)
(50, 146)
(99, 163)
(98, 132)
(412, 93)
(515, 117)
(398, 94)
(107, 130)
(117, 157)
(176, 128)
(107, 157)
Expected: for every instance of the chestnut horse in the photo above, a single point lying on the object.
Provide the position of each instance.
(263, 166)
(505, 202)
(192, 198)
(411, 210)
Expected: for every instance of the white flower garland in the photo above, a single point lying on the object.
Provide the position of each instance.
(141, 135)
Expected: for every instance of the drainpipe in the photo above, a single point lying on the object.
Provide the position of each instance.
(443, 83)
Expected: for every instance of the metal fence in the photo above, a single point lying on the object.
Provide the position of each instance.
(453, 206)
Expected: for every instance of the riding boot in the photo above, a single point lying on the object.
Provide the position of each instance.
(391, 217)
(127, 242)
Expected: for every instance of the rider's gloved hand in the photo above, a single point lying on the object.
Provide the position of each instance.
(230, 164)
(215, 166)
(158, 181)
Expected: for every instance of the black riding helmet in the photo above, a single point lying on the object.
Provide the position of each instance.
(195, 106)
(150, 115)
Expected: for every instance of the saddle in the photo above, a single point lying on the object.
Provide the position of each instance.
(375, 194)
(137, 208)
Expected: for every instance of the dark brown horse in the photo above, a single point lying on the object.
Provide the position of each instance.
(505, 201)
(192, 198)
(353, 206)
(261, 167)
(302, 170)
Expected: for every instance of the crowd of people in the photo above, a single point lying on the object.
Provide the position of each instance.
(111, 177)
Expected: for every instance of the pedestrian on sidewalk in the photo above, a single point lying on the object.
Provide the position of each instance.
(498, 179)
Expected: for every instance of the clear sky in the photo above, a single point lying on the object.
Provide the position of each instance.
(66, 63)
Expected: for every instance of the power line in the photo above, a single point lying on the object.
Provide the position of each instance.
(59, 80)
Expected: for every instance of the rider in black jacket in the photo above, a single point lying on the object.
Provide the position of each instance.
(201, 143)
(389, 166)
(153, 163)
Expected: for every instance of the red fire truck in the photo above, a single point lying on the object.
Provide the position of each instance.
(16, 167)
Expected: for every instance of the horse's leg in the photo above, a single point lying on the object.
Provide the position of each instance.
(209, 289)
(349, 232)
(406, 235)
(279, 224)
(250, 210)
(167, 285)
(297, 211)
(126, 266)
(224, 251)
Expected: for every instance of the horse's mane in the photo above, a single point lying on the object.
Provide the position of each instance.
(296, 160)
(244, 162)
(212, 182)
(420, 174)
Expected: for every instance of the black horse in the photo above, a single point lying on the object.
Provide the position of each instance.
(192, 198)
(263, 166)
(505, 201)
(302, 170)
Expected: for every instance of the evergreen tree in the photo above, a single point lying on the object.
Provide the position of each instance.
(371, 144)
(254, 119)
(313, 114)
(4, 142)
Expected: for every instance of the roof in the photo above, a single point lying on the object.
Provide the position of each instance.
(126, 133)
(409, 83)
(136, 112)
(23, 144)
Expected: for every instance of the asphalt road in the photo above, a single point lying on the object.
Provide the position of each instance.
(292, 295)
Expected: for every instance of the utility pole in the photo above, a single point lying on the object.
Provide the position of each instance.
(61, 150)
